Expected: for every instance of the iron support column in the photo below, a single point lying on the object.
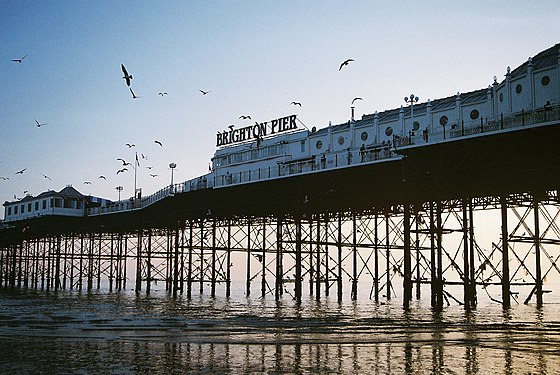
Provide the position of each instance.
(505, 255)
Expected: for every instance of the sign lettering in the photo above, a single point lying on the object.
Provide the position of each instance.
(257, 131)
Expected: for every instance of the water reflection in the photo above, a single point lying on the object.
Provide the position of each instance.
(120, 333)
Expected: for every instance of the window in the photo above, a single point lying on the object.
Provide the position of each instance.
(319, 145)
(545, 80)
(341, 140)
(443, 120)
(518, 88)
(44, 204)
(364, 136)
(501, 97)
(15, 210)
(474, 114)
(29, 207)
(9, 210)
(37, 206)
(415, 125)
(389, 131)
(22, 208)
(302, 146)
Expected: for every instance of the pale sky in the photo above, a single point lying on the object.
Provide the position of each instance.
(255, 58)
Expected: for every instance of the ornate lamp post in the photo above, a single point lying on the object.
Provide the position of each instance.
(411, 100)
(119, 189)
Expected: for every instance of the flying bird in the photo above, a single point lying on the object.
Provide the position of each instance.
(204, 92)
(39, 124)
(133, 94)
(122, 170)
(243, 117)
(346, 62)
(144, 157)
(149, 167)
(356, 99)
(19, 61)
(127, 77)
(4, 178)
(296, 103)
(158, 142)
(153, 175)
(47, 177)
(103, 177)
(162, 93)
(130, 145)
(87, 182)
(21, 172)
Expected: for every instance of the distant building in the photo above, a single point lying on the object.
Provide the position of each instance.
(67, 202)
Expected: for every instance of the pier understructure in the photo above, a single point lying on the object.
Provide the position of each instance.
(452, 222)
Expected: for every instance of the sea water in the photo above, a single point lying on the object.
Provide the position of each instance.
(70, 332)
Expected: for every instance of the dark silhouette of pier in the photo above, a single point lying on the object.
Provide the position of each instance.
(390, 227)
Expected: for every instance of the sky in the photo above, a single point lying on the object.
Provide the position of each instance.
(254, 58)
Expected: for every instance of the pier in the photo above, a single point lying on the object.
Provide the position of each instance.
(478, 210)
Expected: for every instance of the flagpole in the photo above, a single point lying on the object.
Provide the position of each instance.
(135, 168)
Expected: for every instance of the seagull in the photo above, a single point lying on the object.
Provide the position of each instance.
(47, 177)
(144, 157)
(296, 103)
(133, 94)
(25, 191)
(356, 99)
(158, 142)
(149, 167)
(130, 145)
(4, 178)
(162, 93)
(153, 175)
(19, 61)
(243, 117)
(103, 177)
(346, 62)
(21, 172)
(87, 182)
(39, 124)
(204, 92)
(122, 170)
(125, 164)
(127, 77)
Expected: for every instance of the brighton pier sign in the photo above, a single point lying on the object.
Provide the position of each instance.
(256, 131)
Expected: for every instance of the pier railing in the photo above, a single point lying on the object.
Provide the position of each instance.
(340, 159)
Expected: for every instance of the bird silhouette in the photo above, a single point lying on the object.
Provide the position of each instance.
(122, 170)
(158, 142)
(133, 94)
(87, 182)
(149, 167)
(127, 77)
(153, 175)
(296, 103)
(346, 62)
(40, 124)
(4, 178)
(356, 99)
(21, 172)
(125, 164)
(162, 93)
(103, 177)
(19, 61)
(130, 145)
(47, 177)
(244, 117)
(204, 92)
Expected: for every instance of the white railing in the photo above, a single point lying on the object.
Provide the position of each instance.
(338, 159)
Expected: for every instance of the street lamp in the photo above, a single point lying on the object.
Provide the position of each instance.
(172, 166)
(411, 100)
(119, 189)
